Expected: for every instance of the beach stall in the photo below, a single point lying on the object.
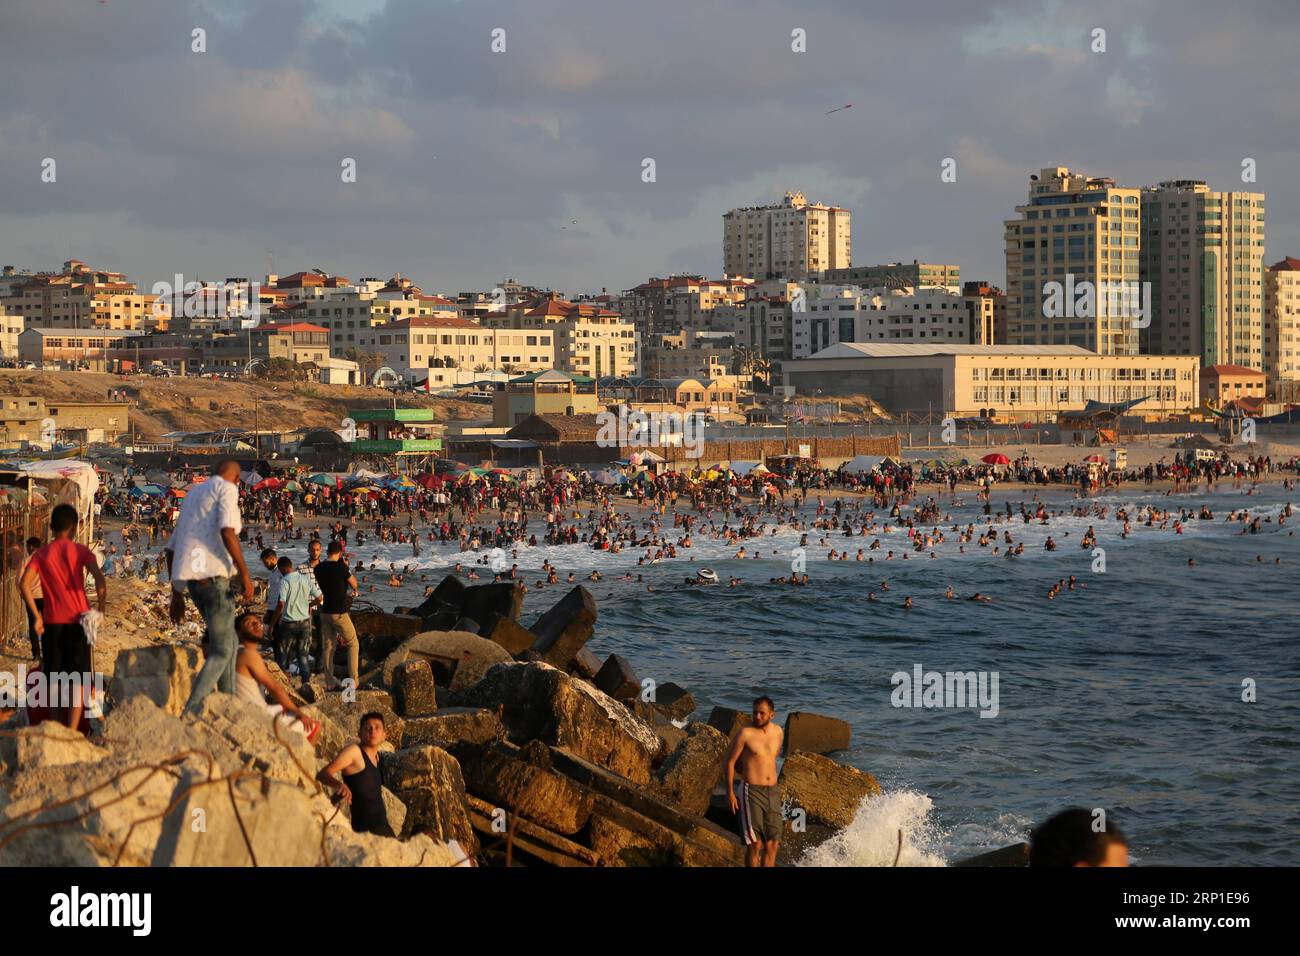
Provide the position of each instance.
(863, 463)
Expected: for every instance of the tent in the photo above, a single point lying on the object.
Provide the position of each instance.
(69, 482)
(743, 468)
(862, 463)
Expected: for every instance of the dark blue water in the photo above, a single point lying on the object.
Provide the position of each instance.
(1125, 695)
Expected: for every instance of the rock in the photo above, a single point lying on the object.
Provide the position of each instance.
(248, 733)
(348, 715)
(669, 734)
(484, 602)
(673, 701)
(453, 726)
(466, 625)
(544, 703)
(164, 674)
(499, 775)
(274, 826)
(466, 656)
(565, 628)
(48, 744)
(1015, 855)
(380, 633)
(621, 837)
(511, 635)
(527, 838)
(585, 664)
(815, 733)
(827, 792)
(617, 678)
(702, 842)
(344, 847)
(413, 688)
(729, 721)
(394, 815)
(428, 780)
(692, 771)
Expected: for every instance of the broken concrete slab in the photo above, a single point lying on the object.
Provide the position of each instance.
(467, 655)
(48, 744)
(494, 826)
(728, 720)
(454, 726)
(499, 774)
(511, 635)
(565, 628)
(429, 781)
(693, 770)
(673, 701)
(585, 664)
(826, 791)
(269, 824)
(617, 678)
(543, 703)
(815, 733)
(413, 688)
(164, 674)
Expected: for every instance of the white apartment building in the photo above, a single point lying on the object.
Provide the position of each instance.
(1282, 329)
(834, 314)
(794, 239)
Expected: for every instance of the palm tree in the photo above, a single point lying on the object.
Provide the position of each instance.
(480, 368)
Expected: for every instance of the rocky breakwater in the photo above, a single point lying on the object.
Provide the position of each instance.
(507, 745)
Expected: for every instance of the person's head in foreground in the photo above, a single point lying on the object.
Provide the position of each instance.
(1078, 837)
(371, 730)
(763, 711)
(248, 627)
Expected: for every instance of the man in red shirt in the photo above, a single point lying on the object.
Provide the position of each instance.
(61, 568)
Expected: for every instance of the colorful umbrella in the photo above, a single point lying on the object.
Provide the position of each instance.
(996, 459)
(323, 479)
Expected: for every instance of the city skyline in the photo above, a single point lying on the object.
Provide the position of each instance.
(473, 165)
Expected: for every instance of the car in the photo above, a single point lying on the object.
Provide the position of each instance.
(161, 371)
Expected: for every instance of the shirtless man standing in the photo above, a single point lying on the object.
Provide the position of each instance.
(758, 809)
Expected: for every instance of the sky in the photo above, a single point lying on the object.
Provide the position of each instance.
(474, 165)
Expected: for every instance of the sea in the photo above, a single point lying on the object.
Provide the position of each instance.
(1164, 693)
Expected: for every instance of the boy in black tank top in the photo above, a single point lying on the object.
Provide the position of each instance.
(361, 782)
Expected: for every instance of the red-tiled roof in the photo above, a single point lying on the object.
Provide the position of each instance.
(1289, 264)
(290, 327)
(1230, 370)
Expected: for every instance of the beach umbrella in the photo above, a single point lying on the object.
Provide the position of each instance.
(146, 491)
(292, 486)
(272, 484)
(428, 480)
(178, 492)
(323, 479)
(996, 459)
(1096, 459)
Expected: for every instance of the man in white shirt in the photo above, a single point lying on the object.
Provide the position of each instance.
(203, 557)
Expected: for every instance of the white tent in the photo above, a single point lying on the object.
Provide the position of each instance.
(863, 463)
(72, 482)
(743, 468)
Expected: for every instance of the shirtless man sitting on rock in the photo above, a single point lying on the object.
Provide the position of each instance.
(758, 804)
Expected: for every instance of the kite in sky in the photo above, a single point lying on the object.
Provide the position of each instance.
(846, 106)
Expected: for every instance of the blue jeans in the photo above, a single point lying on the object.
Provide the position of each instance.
(215, 600)
(295, 638)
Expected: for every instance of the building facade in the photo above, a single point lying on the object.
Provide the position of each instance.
(1023, 383)
(1203, 255)
(794, 239)
(915, 274)
(850, 314)
(1074, 229)
(1282, 329)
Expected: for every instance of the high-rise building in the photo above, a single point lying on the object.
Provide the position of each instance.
(1282, 329)
(1203, 254)
(795, 239)
(1074, 230)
